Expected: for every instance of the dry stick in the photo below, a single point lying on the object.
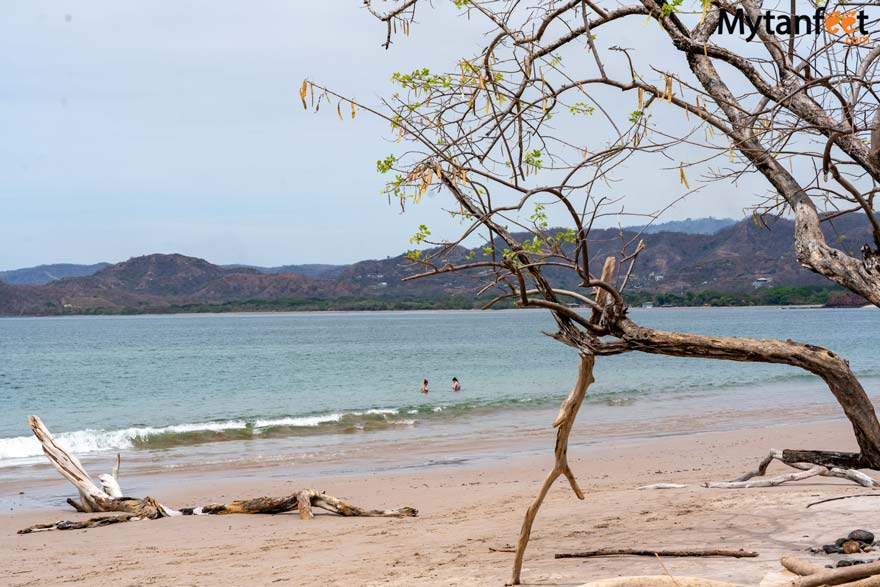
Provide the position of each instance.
(659, 581)
(641, 552)
(564, 421)
(81, 524)
(843, 497)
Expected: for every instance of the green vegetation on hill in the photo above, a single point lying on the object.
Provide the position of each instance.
(770, 296)
(775, 296)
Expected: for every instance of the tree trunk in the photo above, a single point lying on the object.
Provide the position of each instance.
(564, 421)
(822, 362)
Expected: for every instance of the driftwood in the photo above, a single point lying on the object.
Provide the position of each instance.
(669, 553)
(109, 498)
(809, 505)
(659, 581)
(805, 471)
(865, 575)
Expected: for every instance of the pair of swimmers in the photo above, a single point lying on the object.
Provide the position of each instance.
(456, 386)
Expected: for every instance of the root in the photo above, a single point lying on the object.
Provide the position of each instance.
(805, 471)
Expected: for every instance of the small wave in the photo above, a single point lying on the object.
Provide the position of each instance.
(87, 441)
(93, 441)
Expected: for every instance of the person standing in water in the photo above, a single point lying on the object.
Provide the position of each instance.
(425, 386)
(456, 386)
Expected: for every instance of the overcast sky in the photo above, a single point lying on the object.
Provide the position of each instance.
(133, 127)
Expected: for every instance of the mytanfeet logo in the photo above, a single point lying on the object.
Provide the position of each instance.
(849, 25)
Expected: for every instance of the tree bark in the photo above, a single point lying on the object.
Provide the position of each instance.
(564, 421)
(817, 360)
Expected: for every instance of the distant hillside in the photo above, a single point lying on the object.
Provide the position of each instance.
(735, 260)
(46, 273)
(316, 270)
(708, 225)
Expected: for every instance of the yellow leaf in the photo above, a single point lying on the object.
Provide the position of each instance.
(400, 136)
(684, 179)
(352, 110)
(302, 93)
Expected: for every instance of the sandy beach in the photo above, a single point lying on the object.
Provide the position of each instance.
(465, 511)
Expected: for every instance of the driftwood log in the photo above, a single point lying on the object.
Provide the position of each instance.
(661, 553)
(805, 471)
(109, 498)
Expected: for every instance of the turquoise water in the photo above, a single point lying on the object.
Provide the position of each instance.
(153, 383)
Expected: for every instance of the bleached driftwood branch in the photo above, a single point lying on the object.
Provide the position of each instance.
(109, 497)
(806, 471)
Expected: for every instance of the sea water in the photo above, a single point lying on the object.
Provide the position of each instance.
(159, 388)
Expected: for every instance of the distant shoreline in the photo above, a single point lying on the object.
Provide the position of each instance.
(418, 310)
(415, 310)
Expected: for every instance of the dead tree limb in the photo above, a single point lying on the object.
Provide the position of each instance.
(669, 553)
(659, 581)
(110, 498)
(842, 497)
(807, 470)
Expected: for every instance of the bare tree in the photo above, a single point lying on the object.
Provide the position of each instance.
(796, 108)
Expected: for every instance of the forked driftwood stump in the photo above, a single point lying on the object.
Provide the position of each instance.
(109, 497)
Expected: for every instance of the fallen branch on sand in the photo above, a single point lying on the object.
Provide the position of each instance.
(659, 581)
(809, 505)
(109, 498)
(805, 471)
(662, 553)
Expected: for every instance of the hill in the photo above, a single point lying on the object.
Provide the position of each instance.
(47, 273)
(708, 225)
(737, 259)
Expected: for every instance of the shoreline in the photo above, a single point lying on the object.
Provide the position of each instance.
(421, 310)
(464, 509)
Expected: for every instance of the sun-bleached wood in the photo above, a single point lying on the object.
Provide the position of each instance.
(110, 499)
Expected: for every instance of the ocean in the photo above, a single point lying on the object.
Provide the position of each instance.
(312, 388)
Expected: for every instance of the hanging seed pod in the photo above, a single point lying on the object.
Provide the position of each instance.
(683, 177)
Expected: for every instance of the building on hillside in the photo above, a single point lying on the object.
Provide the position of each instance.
(762, 282)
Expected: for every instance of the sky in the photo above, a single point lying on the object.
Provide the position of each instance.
(132, 127)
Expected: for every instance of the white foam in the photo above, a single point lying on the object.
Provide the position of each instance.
(298, 421)
(87, 441)
(91, 441)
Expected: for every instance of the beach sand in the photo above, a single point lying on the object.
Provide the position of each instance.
(465, 510)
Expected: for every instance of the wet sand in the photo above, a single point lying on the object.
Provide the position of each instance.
(464, 510)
